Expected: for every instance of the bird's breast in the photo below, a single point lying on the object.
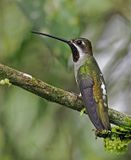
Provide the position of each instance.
(78, 64)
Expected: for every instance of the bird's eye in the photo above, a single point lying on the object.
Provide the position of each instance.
(79, 42)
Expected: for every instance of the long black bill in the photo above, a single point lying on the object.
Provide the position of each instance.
(44, 34)
(75, 52)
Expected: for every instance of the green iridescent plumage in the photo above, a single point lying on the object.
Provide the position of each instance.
(89, 79)
(90, 76)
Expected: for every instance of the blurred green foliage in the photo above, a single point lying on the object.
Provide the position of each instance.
(32, 128)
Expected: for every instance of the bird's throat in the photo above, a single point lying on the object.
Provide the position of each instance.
(75, 53)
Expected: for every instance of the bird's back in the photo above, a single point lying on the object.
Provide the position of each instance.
(93, 91)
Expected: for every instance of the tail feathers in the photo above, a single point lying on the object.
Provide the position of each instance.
(103, 114)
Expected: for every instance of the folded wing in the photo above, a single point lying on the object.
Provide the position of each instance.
(86, 88)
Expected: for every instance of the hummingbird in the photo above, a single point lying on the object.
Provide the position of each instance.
(89, 79)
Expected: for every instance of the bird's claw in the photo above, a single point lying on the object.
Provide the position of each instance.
(82, 111)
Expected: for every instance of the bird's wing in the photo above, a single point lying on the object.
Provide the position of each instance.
(86, 84)
(100, 95)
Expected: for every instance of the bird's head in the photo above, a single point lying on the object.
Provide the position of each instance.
(80, 47)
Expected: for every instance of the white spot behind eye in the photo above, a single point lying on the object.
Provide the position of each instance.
(83, 43)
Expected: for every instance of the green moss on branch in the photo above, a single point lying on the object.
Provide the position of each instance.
(57, 95)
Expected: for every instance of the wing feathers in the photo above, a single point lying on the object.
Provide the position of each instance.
(87, 95)
(86, 89)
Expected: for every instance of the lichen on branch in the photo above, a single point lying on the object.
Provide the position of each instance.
(60, 96)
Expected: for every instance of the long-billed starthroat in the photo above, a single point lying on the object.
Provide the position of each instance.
(89, 79)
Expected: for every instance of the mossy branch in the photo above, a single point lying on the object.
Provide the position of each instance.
(57, 95)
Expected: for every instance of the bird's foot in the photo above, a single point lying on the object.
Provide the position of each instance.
(102, 133)
(82, 111)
